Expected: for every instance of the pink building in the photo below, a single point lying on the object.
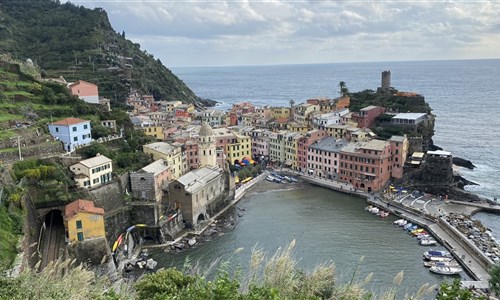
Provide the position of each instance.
(302, 145)
(399, 152)
(366, 165)
(86, 91)
(192, 157)
(260, 144)
(323, 157)
(366, 116)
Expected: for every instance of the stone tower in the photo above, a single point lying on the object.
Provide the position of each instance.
(386, 80)
(206, 146)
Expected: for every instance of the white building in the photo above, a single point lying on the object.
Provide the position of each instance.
(92, 172)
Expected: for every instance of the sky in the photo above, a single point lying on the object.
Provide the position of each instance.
(234, 33)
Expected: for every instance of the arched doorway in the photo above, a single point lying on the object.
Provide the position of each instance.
(201, 218)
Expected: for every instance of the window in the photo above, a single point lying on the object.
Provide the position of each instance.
(57, 129)
(86, 126)
(74, 128)
(80, 236)
(75, 139)
(78, 224)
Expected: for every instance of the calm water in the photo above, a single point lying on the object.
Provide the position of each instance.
(464, 96)
(326, 226)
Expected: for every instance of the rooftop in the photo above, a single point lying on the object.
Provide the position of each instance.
(161, 147)
(409, 116)
(376, 145)
(95, 161)
(156, 167)
(81, 205)
(70, 121)
(329, 144)
(198, 178)
(397, 138)
(370, 107)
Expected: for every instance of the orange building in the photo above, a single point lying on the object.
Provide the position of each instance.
(86, 91)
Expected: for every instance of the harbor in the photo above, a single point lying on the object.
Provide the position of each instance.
(433, 219)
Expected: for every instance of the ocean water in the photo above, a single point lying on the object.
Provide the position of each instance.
(463, 94)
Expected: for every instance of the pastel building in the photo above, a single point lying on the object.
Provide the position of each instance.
(321, 121)
(72, 132)
(260, 143)
(399, 152)
(93, 171)
(303, 144)
(240, 149)
(366, 165)
(277, 147)
(153, 130)
(86, 91)
(83, 221)
(366, 116)
(173, 154)
(280, 112)
(291, 149)
(192, 157)
(323, 157)
(301, 112)
(148, 183)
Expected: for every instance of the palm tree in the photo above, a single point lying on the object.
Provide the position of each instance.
(343, 88)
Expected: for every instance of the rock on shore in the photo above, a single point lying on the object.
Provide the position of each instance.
(463, 163)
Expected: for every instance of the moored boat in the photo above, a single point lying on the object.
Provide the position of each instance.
(446, 270)
(270, 178)
(407, 225)
(398, 222)
(428, 242)
(436, 255)
(384, 214)
(375, 210)
(369, 208)
(431, 263)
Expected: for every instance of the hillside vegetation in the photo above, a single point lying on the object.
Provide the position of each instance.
(80, 43)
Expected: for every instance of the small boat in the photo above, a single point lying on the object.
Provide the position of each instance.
(431, 263)
(270, 178)
(412, 228)
(375, 210)
(428, 242)
(403, 223)
(435, 255)
(286, 178)
(446, 270)
(423, 236)
(398, 222)
(418, 230)
(292, 179)
(407, 225)
(384, 214)
(369, 208)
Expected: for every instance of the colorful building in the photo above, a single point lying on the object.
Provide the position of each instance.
(291, 149)
(323, 157)
(301, 112)
(366, 165)
(280, 112)
(173, 154)
(366, 116)
(303, 144)
(154, 130)
(92, 172)
(83, 221)
(72, 132)
(240, 149)
(399, 152)
(86, 91)
(148, 183)
(260, 144)
(277, 147)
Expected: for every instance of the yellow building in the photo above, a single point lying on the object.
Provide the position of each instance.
(93, 171)
(172, 154)
(154, 130)
(291, 149)
(338, 131)
(240, 149)
(302, 112)
(83, 221)
(280, 112)
(295, 127)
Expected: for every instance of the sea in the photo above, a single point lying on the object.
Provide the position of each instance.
(463, 94)
(331, 226)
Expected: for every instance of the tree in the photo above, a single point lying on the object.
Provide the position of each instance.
(453, 291)
(343, 88)
(494, 280)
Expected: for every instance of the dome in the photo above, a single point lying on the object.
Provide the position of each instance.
(206, 130)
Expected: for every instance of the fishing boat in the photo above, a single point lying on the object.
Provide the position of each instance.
(445, 270)
(403, 223)
(375, 210)
(407, 225)
(418, 230)
(292, 179)
(423, 236)
(369, 208)
(432, 263)
(428, 242)
(436, 255)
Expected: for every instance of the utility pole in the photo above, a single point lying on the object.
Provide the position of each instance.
(19, 147)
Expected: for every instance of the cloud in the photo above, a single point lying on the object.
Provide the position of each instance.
(277, 31)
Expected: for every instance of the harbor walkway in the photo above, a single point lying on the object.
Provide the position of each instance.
(426, 214)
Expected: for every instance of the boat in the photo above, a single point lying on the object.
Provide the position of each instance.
(270, 178)
(398, 222)
(423, 236)
(445, 270)
(369, 208)
(412, 228)
(407, 225)
(384, 214)
(293, 179)
(403, 223)
(436, 255)
(375, 210)
(431, 263)
(428, 242)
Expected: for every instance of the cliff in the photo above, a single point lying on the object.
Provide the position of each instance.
(80, 43)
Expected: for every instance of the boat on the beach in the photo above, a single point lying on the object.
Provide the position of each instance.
(432, 263)
(428, 242)
(270, 178)
(446, 270)
(292, 179)
(437, 255)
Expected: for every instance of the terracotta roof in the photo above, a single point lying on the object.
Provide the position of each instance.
(69, 121)
(81, 205)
